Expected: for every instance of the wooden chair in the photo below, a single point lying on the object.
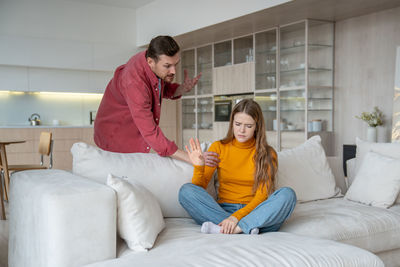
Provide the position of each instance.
(3, 211)
(45, 149)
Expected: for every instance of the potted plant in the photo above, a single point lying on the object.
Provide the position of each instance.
(373, 119)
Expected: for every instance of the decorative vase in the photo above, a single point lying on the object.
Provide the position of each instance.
(371, 134)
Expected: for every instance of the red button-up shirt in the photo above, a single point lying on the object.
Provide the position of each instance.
(129, 113)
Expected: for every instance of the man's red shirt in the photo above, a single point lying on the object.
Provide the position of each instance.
(128, 118)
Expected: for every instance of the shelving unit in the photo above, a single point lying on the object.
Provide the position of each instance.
(289, 69)
(302, 82)
(198, 106)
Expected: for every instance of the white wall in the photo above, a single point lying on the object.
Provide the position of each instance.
(63, 34)
(175, 17)
(365, 54)
(61, 41)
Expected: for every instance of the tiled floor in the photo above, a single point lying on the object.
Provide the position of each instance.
(4, 240)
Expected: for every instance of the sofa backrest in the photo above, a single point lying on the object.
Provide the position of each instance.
(162, 176)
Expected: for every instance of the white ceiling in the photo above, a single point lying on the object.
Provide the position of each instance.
(118, 3)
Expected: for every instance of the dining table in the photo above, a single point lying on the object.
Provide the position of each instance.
(4, 169)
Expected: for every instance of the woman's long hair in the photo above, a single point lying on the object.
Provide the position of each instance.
(265, 157)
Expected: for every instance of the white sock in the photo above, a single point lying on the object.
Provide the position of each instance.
(254, 231)
(210, 228)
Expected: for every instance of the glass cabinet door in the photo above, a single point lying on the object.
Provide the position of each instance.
(320, 75)
(265, 60)
(268, 104)
(205, 112)
(223, 54)
(292, 115)
(204, 66)
(205, 119)
(188, 63)
(188, 113)
(292, 56)
(188, 120)
(243, 49)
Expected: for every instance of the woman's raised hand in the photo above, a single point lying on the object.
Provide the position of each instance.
(195, 153)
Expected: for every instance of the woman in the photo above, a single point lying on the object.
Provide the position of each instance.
(247, 202)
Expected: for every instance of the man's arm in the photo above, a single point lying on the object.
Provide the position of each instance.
(181, 155)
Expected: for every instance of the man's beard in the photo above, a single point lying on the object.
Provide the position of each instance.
(169, 78)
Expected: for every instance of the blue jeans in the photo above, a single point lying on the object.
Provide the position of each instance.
(268, 216)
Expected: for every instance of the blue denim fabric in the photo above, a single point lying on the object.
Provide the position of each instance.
(268, 216)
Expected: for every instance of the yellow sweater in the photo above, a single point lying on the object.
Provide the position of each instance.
(235, 174)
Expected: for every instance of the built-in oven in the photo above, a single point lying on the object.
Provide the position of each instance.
(224, 104)
(222, 108)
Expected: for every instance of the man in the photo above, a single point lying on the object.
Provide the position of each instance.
(127, 120)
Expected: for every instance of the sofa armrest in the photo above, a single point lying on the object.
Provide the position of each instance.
(60, 219)
(351, 169)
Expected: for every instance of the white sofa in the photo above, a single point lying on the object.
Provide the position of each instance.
(62, 219)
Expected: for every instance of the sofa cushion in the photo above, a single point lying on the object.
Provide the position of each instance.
(387, 149)
(182, 244)
(377, 183)
(139, 215)
(371, 228)
(163, 176)
(306, 170)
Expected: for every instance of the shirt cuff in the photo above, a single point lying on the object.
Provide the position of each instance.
(171, 149)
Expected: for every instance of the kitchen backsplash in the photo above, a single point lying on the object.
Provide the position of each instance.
(53, 108)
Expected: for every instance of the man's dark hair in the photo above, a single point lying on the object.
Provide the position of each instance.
(162, 45)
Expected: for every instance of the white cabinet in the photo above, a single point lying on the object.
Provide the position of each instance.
(14, 78)
(234, 79)
(29, 79)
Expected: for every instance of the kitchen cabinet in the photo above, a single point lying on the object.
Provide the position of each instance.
(64, 138)
(197, 106)
(188, 64)
(33, 79)
(288, 69)
(204, 66)
(197, 119)
(239, 77)
(296, 95)
(234, 79)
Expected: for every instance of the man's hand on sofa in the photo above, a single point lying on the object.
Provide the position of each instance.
(229, 226)
(211, 158)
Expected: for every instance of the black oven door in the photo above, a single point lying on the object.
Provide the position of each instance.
(222, 110)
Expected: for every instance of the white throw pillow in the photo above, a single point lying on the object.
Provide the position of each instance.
(139, 216)
(306, 170)
(163, 176)
(386, 149)
(377, 183)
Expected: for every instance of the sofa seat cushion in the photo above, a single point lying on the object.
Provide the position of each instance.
(371, 228)
(182, 244)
